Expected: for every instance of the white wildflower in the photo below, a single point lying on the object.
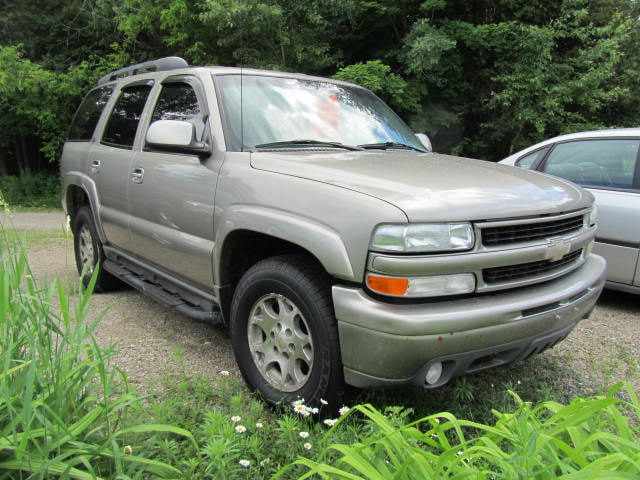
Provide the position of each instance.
(304, 434)
(224, 373)
(245, 463)
(241, 429)
(301, 409)
(519, 382)
(330, 422)
(128, 450)
(323, 401)
(307, 446)
(343, 411)
(459, 453)
(236, 418)
(314, 410)
(264, 462)
(259, 425)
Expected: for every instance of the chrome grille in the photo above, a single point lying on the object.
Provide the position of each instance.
(527, 232)
(527, 270)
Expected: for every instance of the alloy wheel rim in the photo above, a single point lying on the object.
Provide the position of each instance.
(280, 342)
(86, 250)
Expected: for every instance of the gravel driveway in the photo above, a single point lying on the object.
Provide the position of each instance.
(151, 340)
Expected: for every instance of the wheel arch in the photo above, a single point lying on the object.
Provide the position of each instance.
(254, 233)
(80, 190)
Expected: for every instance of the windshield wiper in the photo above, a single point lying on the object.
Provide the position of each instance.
(386, 145)
(306, 143)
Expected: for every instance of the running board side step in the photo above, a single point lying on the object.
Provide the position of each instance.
(199, 309)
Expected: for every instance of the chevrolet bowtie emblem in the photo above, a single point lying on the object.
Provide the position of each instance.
(556, 249)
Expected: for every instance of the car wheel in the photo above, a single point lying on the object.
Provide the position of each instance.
(284, 332)
(89, 253)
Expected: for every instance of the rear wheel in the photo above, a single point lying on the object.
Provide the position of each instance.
(284, 332)
(89, 253)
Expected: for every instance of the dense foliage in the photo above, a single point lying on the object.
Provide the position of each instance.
(483, 78)
(64, 410)
(589, 438)
(34, 190)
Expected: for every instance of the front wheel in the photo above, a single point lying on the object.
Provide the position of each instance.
(284, 332)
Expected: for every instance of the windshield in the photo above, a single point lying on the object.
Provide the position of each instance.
(276, 109)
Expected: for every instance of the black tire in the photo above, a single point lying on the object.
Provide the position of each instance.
(307, 285)
(105, 281)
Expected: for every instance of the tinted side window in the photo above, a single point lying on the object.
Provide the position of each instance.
(125, 116)
(595, 163)
(178, 101)
(530, 159)
(88, 114)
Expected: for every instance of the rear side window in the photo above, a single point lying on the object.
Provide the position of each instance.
(87, 116)
(125, 116)
(178, 101)
(530, 159)
(595, 163)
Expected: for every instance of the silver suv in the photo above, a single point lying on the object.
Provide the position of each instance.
(305, 216)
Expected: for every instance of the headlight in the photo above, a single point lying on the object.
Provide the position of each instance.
(423, 238)
(593, 216)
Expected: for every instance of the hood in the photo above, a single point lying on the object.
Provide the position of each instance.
(431, 187)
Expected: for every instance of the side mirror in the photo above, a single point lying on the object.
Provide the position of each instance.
(175, 136)
(425, 141)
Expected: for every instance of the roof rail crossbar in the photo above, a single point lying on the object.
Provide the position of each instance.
(159, 65)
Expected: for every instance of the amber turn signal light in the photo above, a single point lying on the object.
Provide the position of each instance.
(395, 286)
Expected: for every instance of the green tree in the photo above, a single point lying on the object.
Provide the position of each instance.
(378, 77)
(483, 78)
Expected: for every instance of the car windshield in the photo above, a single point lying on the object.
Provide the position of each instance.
(280, 109)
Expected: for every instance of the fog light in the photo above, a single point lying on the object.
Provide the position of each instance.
(434, 372)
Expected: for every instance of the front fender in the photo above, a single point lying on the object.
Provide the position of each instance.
(317, 238)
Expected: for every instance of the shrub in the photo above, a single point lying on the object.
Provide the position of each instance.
(64, 411)
(31, 190)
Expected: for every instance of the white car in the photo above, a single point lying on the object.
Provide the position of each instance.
(606, 162)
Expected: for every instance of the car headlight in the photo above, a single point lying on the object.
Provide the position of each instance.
(423, 237)
(593, 216)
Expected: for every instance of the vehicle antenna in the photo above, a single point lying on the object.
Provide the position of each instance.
(241, 113)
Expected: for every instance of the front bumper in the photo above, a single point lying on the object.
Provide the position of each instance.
(386, 344)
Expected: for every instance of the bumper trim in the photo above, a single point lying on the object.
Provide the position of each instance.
(478, 360)
(353, 306)
(466, 363)
(400, 341)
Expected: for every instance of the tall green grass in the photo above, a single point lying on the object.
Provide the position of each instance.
(64, 411)
(590, 438)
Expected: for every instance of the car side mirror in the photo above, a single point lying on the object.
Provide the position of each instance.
(175, 136)
(424, 139)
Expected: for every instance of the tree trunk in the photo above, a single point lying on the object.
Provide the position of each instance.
(4, 167)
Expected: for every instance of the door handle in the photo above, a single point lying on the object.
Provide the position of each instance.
(137, 175)
(95, 166)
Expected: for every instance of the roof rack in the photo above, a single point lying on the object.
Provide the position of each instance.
(159, 65)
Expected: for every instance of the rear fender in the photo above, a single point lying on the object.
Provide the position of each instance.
(82, 180)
